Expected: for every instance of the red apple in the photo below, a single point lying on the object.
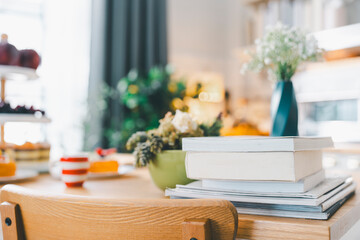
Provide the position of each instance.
(29, 58)
(9, 55)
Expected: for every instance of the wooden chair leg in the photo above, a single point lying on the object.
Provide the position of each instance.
(11, 221)
(196, 229)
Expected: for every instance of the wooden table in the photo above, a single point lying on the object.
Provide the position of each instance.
(138, 184)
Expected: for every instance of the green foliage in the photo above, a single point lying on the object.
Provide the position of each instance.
(169, 135)
(143, 101)
(136, 138)
(156, 144)
(145, 147)
(214, 128)
(143, 153)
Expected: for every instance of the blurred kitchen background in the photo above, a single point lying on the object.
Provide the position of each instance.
(87, 47)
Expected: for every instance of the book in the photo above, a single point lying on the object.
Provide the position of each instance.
(297, 214)
(303, 185)
(253, 166)
(236, 197)
(322, 212)
(325, 186)
(299, 208)
(255, 144)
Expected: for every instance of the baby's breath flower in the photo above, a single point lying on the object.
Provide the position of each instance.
(267, 61)
(281, 50)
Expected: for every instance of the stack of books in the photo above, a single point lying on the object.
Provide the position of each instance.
(274, 176)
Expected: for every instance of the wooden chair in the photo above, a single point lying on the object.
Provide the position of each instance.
(27, 214)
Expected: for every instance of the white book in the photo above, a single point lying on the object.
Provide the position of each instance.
(323, 211)
(325, 186)
(300, 186)
(233, 197)
(253, 166)
(255, 144)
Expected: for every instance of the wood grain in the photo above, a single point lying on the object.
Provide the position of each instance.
(138, 184)
(54, 216)
(198, 228)
(8, 221)
(11, 221)
(3, 81)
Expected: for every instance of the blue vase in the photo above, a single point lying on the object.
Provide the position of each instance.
(284, 111)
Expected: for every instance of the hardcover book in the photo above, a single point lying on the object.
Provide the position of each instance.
(255, 144)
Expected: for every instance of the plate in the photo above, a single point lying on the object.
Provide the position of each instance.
(16, 117)
(55, 171)
(38, 166)
(123, 169)
(20, 175)
(18, 73)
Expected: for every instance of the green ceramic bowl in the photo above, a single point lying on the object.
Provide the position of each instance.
(168, 169)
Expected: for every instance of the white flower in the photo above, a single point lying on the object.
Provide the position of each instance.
(267, 61)
(244, 68)
(258, 49)
(183, 122)
(283, 45)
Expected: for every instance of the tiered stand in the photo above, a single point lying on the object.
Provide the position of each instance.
(19, 73)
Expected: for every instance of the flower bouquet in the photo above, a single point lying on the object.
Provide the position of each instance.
(160, 148)
(281, 51)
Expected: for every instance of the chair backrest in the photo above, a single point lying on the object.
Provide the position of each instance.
(48, 216)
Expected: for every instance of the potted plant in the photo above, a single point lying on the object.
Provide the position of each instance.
(160, 148)
(280, 51)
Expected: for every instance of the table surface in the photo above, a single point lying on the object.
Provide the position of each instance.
(138, 184)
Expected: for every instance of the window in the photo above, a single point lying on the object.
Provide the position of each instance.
(60, 32)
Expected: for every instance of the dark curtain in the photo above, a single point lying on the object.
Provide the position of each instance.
(135, 38)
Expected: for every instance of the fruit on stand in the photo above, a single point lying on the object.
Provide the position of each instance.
(5, 107)
(9, 55)
(31, 155)
(29, 58)
(25, 110)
